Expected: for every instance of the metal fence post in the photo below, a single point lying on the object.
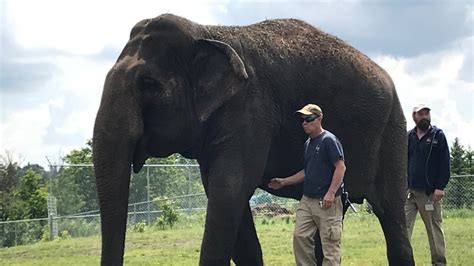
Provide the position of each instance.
(51, 234)
(134, 212)
(16, 228)
(148, 193)
(189, 188)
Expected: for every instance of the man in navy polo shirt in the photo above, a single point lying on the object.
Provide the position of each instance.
(428, 175)
(321, 205)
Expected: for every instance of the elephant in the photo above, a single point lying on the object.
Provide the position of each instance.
(226, 96)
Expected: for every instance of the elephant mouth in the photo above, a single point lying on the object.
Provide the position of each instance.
(146, 148)
(190, 153)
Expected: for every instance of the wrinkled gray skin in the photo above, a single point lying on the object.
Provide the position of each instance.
(226, 96)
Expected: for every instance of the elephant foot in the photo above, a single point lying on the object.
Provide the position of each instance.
(400, 262)
(248, 262)
(238, 262)
(115, 262)
(214, 262)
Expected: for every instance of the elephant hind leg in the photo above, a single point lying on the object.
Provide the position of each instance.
(318, 249)
(247, 249)
(388, 193)
(399, 251)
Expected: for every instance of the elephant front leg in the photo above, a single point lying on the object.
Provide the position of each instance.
(229, 222)
(232, 171)
(318, 249)
(247, 250)
(224, 214)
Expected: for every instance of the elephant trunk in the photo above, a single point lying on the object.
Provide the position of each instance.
(117, 129)
(112, 178)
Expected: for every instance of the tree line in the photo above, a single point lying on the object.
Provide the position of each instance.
(460, 189)
(25, 189)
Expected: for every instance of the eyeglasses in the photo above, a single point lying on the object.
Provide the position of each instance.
(308, 119)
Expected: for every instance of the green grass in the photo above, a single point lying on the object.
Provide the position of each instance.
(362, 244)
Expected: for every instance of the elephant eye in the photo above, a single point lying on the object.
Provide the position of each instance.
(148, 84)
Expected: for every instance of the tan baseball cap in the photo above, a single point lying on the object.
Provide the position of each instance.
(310, 109)
(420, 107)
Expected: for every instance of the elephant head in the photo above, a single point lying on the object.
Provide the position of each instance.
(164, 87)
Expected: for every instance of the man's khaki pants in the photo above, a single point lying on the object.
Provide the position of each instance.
(417, 201)
(310, 217)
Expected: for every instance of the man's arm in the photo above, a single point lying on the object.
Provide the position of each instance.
(444, 168)
(277, 183)
(337, 177)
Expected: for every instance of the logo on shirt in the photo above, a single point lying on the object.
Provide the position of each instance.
(428, 141)
(317, 149)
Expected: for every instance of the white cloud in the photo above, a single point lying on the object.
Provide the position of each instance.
(63, 110)
(65, 106)
(433, 79)
(222, 9)
(470, 14)
(455, 123)
(23, 132)
(85, 27)
(60, 114)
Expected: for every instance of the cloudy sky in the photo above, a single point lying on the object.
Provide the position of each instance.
(54, 56)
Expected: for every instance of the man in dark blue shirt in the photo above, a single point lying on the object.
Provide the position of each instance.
(428, 175)
(321, 205)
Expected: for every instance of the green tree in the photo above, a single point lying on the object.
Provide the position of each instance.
(74, 186)
(457, 191)
(30, 198)
(37, 169)
(27, 200)
(67, 192)
(84, 176)
(166, 181)
(168, 215)
(172, 181)
(80, 156)
(469, 180)
(23, 196)
(9, 180)
(458, 164)
(469, 158)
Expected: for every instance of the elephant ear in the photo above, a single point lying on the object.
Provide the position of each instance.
(218, 75)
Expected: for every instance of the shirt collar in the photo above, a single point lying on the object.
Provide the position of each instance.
(318, 136)
(428, 132)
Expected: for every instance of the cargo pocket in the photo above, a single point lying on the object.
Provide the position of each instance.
(332, 230)
(335, 232)
(437, 215)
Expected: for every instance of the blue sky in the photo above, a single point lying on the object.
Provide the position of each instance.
(55, 55)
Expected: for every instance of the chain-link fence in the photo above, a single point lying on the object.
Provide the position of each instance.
(154, 191)
(459, 193)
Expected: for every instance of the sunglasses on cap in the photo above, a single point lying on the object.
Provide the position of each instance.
(308, 119)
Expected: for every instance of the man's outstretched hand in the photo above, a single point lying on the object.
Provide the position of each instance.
(276, 183)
